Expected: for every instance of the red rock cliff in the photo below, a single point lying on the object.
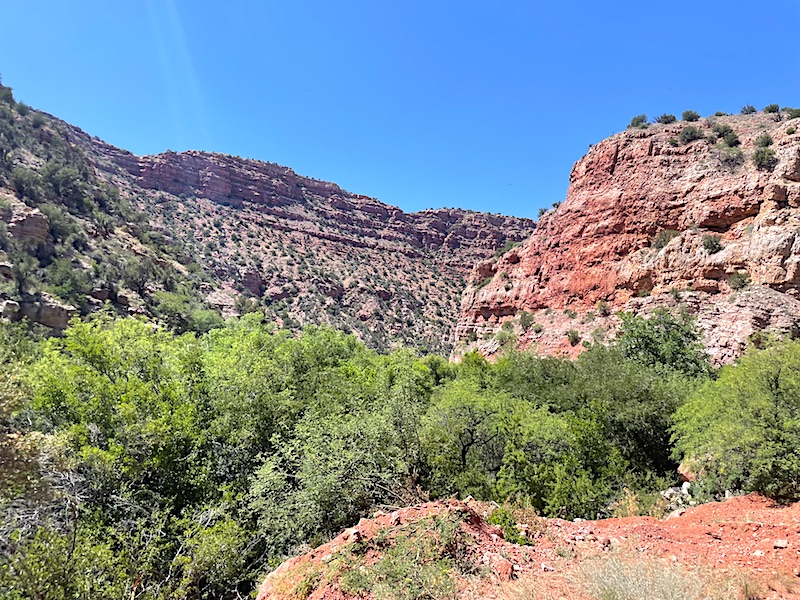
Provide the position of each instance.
(598, 245)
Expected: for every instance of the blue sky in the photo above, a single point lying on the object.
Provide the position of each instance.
(482, 105)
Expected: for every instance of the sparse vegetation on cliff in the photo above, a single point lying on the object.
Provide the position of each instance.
(712, 243)
(663, 237)
(765, 159)
(690, 134)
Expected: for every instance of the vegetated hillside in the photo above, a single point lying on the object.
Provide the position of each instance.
(701, 216)
(193, 236)
(188, 466)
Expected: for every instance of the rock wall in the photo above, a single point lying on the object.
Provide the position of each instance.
(598, 245)
(323, 209)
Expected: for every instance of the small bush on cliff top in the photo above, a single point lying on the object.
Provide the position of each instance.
(748, 109)
(639, 121)
(771, 108)
(790, 130)
(690, 115)
(666, 119)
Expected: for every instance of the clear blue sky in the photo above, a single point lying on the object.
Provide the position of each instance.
(482, 105)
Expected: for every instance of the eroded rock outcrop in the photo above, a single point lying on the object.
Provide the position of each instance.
(721, 223)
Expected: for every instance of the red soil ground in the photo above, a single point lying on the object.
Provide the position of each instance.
(746, 537)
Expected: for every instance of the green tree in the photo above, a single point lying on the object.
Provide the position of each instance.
(663, 341)
(742, 431)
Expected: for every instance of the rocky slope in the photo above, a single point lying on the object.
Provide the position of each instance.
(239, 235)
(744, 547)
(653, 219)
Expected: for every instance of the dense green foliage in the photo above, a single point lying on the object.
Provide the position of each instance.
(184, 466)
(742, 431)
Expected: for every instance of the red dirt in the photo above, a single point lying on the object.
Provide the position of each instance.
(748, 536)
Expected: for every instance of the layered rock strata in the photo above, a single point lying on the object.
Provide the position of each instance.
(650, 221)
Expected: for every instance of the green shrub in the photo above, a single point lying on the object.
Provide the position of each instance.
(738, 280)
(764, 159)
(663, 237)
(741, 432)
(538, 328)
(712, 243)
(721, 129)
(6, 95)
(690, 134)
(505, 248)
(792, 113)
(730, 158)
(665, 342)
(526, 319)
(666, 119)
(603, 309)
(574, 337)
(37, 120)
(748, 109)
(639, 121)
(730, 139)
(720, 113)
(484, 283)
(571, 314)
(23, 109)
(790, 130)
(542, 211)
(764, 140)
(690, 115)
(504, 517)
(771, 108)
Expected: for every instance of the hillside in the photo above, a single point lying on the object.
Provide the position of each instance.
(674, 216)
(189, 237)
(742, 548)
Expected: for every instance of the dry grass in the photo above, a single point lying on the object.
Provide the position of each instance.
(627, 575)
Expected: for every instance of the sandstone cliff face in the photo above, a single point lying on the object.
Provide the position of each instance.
(597, 246)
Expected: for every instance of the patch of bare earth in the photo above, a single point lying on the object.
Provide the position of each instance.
(746, 547)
